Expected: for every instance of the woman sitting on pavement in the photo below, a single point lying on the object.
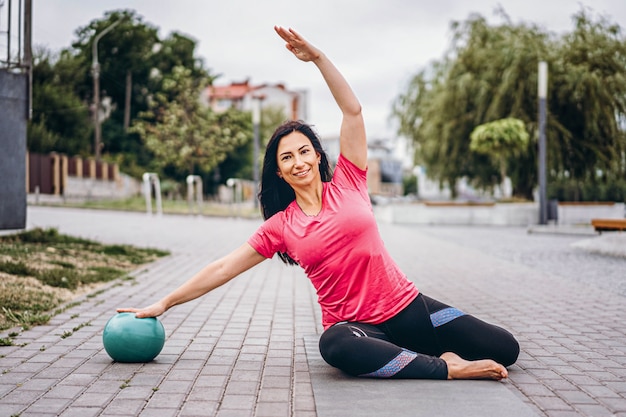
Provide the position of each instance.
(377, 323)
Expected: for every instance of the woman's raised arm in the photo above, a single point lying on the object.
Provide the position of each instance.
(352, 136)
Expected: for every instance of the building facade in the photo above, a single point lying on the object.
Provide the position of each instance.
(241, 96)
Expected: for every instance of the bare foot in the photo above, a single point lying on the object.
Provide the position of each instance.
(459, 368)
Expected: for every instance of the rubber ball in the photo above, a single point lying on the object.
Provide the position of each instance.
(129, 339)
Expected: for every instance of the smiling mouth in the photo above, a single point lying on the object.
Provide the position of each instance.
(301, 173)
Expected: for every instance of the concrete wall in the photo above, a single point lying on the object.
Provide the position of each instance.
(79, 189)
(522, 214)
(509, 214)
(583, 213)
(93, 189)
(13, 88)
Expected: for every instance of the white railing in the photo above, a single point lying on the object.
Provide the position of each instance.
(236, 185)
(150, 180)
(194, 184)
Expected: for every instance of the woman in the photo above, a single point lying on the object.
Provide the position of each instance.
(377, 323)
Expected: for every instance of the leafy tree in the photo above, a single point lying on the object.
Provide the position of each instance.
(178, 50)
(490, 73)
(134, 64)
(60, 119)
(152, 81)
(500, 140)
(125, 57)
(181, 132)
(588, 100)
(128, 47)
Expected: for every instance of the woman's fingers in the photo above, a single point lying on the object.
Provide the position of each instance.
(297, 45)
(141, 313)
(284, 34)
(290, 36)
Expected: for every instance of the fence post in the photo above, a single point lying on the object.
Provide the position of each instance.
(64, 172)
(55, 173)
(104, 170)
(78, 166)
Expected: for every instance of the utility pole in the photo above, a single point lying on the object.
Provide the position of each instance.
(95, 68)
(28, 55)
(129, 86)
(543, 92)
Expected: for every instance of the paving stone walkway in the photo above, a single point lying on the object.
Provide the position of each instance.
(240, 350)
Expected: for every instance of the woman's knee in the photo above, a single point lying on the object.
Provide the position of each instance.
(335, 344)
(509, 350)
(349, 346)
(504, 347)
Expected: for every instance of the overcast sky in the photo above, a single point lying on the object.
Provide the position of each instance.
(377, 44)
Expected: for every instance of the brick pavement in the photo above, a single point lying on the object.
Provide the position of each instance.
(572, 330)
(239, 351)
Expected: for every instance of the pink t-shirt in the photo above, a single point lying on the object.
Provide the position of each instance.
(341, 252)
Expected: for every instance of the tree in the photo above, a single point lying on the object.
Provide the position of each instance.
(135, 62)
(183, 133)
(128, 47)
(588, 100)
(500, 140)
(178, 50)
(155, 87)
(60, 120)
(125, 57)
(490, 73)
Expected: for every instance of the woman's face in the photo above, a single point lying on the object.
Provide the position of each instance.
(298, 162)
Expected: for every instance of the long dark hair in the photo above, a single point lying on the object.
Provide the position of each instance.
(275, 194)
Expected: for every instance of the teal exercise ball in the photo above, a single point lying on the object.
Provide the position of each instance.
(129, 339)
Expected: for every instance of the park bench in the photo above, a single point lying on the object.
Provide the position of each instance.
(602, 225)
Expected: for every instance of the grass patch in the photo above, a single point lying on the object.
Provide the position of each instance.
(41, 269)
(171, 206)
(64, 264)
(18, 268)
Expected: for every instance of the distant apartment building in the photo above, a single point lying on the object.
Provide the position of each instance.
(240, 95)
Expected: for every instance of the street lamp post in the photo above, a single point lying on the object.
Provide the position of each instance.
(95, 68)
(543, 92)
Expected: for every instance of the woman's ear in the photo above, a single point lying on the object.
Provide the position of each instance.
(279, 174)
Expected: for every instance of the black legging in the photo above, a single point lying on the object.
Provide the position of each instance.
(409, 344)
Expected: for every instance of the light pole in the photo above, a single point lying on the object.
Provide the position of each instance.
(543, 92)
(256, 123)
(95, 68)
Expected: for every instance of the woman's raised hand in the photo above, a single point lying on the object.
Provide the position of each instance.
(297, 45)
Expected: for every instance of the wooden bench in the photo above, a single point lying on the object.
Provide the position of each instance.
(601, 225)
